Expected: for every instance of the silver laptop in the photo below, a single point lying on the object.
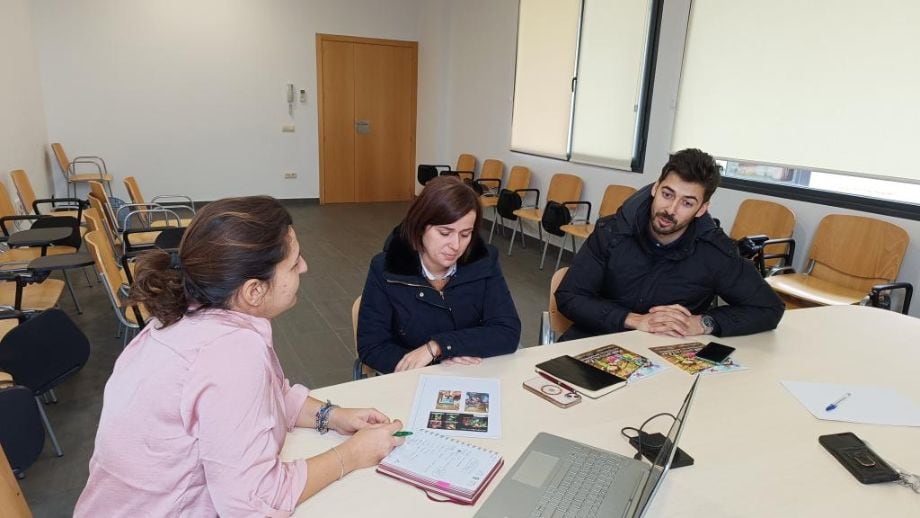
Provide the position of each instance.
(556, 477)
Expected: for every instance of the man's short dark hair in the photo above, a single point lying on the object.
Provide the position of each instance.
(694, 166)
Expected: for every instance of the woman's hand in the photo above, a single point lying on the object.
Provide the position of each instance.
(418, 357)
(369, 445)
(462, 360)
(347, 421)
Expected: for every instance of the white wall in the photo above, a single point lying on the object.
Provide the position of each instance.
(189, 96)
(22, 113)
(482, 72)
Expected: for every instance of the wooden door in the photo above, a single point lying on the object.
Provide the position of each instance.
(367, 107)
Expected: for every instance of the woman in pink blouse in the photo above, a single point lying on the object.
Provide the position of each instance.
(197, 408)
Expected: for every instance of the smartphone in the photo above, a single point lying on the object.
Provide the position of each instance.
(715, 352)
(552, 392)
(858, 458)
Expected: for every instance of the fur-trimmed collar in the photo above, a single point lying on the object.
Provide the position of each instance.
(401, 259)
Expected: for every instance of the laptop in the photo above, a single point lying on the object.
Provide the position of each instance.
(557, 477)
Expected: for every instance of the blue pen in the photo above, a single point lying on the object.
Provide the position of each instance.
(833, 405)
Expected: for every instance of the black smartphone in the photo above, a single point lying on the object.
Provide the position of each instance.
(578, 373)
(857, 458)
(715, 352)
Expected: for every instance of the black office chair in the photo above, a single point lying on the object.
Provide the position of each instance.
(21, 434)
(41, 353)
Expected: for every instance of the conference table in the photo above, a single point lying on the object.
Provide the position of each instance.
(755, 446)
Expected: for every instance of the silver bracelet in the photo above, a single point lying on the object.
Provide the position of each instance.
(341, 461)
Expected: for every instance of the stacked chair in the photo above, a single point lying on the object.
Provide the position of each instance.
(71, 169)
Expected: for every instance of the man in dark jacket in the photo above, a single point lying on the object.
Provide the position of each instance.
(659, 262)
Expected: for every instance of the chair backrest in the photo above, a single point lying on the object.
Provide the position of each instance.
(762, 217)
(557, 321)
(355, 308)
(104, 256)
(613, 199)
(466, 162)
(102, 216)
(492, 169)
(62, 160)
(24, 190)
(6, 204)
(134, 191)
(564, 187)
(518, 178)
(21, 442)
(43, 351)
(857, 252)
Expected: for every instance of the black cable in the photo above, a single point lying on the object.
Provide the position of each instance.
(640, 438)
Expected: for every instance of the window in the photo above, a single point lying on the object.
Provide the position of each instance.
(826, 87)
(581, 79)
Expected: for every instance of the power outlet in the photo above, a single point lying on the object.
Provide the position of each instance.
(290, 175)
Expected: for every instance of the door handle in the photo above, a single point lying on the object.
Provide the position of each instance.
(362, 127)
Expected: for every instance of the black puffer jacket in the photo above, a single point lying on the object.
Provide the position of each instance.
(619, 270)
(474, 315)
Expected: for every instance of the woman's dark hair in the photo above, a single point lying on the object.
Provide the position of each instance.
(444, 200)
(229, 242)
(694, 166)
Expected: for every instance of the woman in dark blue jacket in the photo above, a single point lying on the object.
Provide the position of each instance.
(436, 293)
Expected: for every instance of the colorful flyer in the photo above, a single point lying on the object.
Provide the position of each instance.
(621, 362)
(683, 356)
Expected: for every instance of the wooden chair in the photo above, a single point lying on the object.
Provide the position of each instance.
(490, 178)
(554, 323)
(130, 318)
(12, 501)
(613, 199)
(518, 179)
(466, 166)
(564, 189)
(69, 169)
(763, 230)
(30, 203)
(174, 202)
(853, 260)
(99, 201)
(360, 370)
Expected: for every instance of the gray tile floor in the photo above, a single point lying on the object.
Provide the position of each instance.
(314, 340)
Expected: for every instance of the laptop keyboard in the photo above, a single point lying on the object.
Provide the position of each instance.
(579, 490)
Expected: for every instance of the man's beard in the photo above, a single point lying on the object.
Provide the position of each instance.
(675, 226)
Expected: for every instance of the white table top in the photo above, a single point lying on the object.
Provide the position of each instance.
(756, 448)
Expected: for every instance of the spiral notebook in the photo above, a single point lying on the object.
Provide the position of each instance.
(440, 465)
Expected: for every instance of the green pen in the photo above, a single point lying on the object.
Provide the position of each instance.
(402, 433)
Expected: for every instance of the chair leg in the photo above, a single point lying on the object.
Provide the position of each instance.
(492, 231)
(72, 294)
(511, 244)
(89, 280)
(561, 248)
(521, 228)
(52, 397)
(54, 442)
(543, 257)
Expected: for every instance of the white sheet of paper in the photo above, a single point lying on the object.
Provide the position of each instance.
(866, 404)
(453, 413)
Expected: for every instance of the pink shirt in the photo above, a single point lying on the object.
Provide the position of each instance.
(193, 420)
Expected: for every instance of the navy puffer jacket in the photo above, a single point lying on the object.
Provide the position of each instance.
(473, 316)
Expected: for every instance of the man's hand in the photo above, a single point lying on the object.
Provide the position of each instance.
(462, 360)
(673, 320)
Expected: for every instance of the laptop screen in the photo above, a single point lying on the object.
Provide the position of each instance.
(665, 455)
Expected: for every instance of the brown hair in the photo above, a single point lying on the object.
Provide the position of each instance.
(444, 200)
(229, 242)
(694, 166)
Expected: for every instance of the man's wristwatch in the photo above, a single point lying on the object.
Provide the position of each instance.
(708, 323)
